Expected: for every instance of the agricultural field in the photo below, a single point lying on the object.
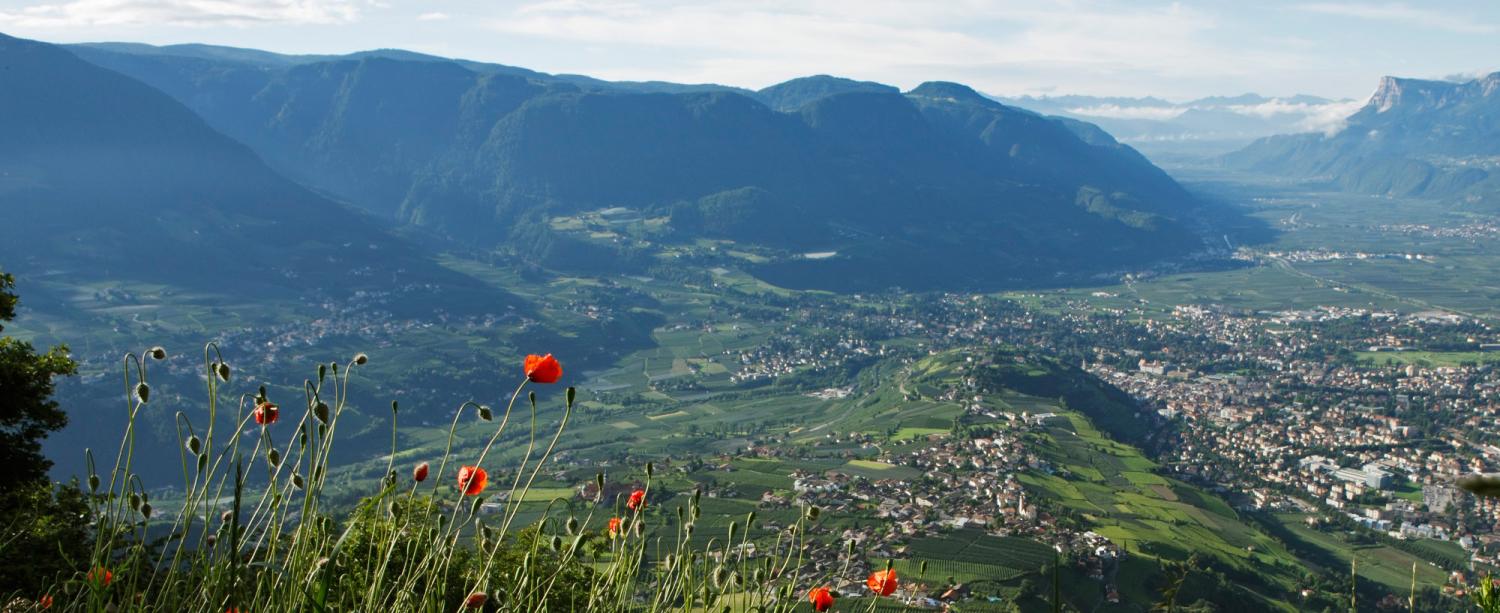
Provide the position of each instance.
(1385, 565)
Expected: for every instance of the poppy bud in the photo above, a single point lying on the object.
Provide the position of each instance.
(274, 457)
(680, 515)
(697, 495)
(849, 547)
(223, 371)
(570, 394)
(749, 520)
(297, 481)
(572, 525)
(475, 600)
(639, 527)
(194, 445)
(212, 538)
(146, 510)
(812, 513)
(135, 500)
(143, 392)
(227, 516)
(688, 530)
(322, 371)
(556, 542)
(485, 413)
(158, 352)
(320, 411)
(393, 407)
(733, 527)
(736, 579)
(360, 359)
(419, 474)
(697, 512)
(202, 461)
(650, 469)
(922, 570)
(93, 483)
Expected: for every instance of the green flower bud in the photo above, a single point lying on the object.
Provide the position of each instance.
(222, 371)
(143, 392)
(320, 411)
(93, 483)
(485, 413)
(361, 359)
(158, 352)
(194, 445)
(146, 510)
(273, 457)
(297, 481)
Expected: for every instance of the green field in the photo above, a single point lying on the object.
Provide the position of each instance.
(1429, 359)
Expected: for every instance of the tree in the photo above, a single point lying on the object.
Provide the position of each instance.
(43, 532)
(27, 411)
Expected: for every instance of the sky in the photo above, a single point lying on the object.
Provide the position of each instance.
(1172, 50)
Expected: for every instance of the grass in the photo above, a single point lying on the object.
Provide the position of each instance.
(1387, 566)
(251, 530)
(1429, 359)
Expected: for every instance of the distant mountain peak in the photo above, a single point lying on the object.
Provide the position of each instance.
(949, 90)
(1397, 91)
(793, 94)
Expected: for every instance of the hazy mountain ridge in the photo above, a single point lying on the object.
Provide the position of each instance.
(1430, 139)
(105, 178)
(1208, 125)
(474, 154)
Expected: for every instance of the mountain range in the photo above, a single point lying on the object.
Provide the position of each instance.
(1412, 138)
(1191, 130)
(898, 185)
(104, 177)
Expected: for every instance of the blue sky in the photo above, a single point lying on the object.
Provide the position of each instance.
(1176, 50)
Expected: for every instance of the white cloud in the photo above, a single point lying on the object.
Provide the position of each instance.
(433, 16)
(80, 13)
(1440, 19)
(1328, 118)
(1115, 111)
(1001, 46)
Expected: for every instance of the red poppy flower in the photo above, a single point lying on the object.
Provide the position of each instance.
(821, 598)
(100, 575)
(614, 527)
(45, 602)
(543, 368)
(475, 600)
(419, 474)
(882, 582)
(637, 500)
(472, 479)
(266, 413)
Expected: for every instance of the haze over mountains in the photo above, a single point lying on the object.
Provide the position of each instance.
(908, 182)
(1429, 139)
(104, 177)
(1213, 125)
